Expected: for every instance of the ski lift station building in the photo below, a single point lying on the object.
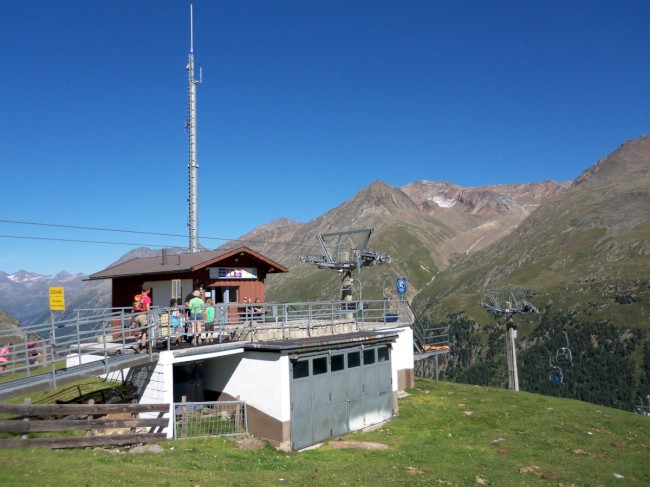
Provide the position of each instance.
(307, 371)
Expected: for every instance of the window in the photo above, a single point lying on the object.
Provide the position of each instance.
(383, 354)
(301, 369)
(354, 359)
(337, 362)
(177, 292)
(320, 365)
(369, 356)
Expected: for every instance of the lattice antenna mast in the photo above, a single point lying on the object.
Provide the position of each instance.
(506, 302)
(193, 165)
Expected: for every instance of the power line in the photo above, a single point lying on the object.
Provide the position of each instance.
(140, 232)
(287, 254)
(52, 239)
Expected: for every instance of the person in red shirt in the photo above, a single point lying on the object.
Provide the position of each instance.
(142, 320)
(4, 356)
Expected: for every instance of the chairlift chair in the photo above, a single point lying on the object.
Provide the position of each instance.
(563, 355)
(555, 375)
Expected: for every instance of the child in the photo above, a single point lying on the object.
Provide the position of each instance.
(176, 320)
(209, 320)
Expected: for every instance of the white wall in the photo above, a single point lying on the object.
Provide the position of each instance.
(162, 291)
(260, 379)
(160, 388)
(402, 357)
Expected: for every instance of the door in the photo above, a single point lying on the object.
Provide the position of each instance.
(338, 392)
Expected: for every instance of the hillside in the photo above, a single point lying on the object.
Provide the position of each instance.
(480, 216)
(586, 250)
(446, 434)
(14, 288)
(421, 236)
(585, 255)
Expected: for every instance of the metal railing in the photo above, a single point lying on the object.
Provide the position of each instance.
(428, 338)
(108, 335)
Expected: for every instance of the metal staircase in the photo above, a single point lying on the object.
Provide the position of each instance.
(428, 340)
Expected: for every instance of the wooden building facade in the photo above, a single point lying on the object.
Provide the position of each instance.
(226, 276)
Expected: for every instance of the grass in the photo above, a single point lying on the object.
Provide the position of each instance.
(446, 434)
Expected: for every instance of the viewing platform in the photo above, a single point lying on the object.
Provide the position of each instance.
(101, 341)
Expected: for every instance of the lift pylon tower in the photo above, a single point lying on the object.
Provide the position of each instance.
(344, 252)
(506, 302)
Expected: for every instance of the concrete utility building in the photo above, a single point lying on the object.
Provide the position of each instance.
(307, 371)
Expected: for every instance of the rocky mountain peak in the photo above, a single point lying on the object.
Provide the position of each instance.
(629, 161)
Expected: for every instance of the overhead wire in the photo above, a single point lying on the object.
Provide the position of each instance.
(140, 232)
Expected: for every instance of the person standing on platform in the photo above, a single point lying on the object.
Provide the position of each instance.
(209, 320)
(142, 320)
(196, 305)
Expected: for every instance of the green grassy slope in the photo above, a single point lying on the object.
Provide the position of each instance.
(445, 434)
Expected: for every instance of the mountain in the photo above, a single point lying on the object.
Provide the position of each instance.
(423, 226)
(483, 215)
(585, 257)
(25, 295)
(400, 229)
(587, 249)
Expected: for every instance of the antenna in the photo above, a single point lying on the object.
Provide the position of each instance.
(191, 30)
(193, 165)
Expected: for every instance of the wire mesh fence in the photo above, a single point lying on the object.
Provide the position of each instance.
(213, 418)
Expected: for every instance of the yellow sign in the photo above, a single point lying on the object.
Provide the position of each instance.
(57, 299)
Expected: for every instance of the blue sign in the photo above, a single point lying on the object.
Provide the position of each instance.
(401, 285)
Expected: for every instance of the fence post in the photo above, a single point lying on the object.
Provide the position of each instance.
(26, 402)
(238, 415)
(89, 431)
(184, 417)
(133, 429)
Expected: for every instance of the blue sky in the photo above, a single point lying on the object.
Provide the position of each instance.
(303, 104)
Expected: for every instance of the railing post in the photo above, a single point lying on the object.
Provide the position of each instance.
(53, 356)
(106, 368)
(123, 329)
(25, 337)
(309, 318)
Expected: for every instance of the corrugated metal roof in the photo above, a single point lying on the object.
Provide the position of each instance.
(177, 263)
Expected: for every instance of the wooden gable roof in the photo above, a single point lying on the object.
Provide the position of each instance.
(171, 264)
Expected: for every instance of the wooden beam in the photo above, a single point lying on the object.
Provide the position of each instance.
(84, 441)
(12, 426)
(74, 409)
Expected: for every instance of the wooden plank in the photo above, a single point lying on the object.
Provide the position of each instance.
(73, 409)
(17, 426)
(84, 441)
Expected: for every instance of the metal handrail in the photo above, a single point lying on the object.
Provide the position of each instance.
(102, 334)
(426, 337)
